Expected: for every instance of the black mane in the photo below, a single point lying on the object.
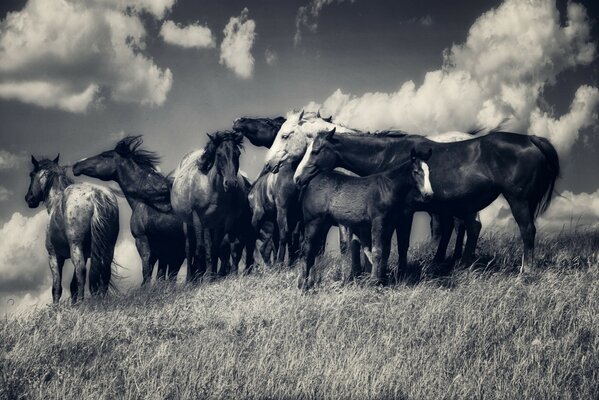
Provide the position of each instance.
(129, 147)
(207, 158)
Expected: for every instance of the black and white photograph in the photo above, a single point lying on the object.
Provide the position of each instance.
(299, 199)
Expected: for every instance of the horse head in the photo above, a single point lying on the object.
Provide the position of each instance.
(41, 179)
(420, 173)
(222, 154)
(259, 131)
(320, 156)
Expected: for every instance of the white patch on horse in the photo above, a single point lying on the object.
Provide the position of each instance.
(368, 254)
(450, 137)
(300, 168)
(427, 189)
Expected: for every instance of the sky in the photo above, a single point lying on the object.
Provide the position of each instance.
(75, 76)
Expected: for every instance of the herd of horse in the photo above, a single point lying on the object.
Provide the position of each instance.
(317, 174)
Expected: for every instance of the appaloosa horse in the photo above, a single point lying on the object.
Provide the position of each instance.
(209, 193)
(158, 232)
(84, 224)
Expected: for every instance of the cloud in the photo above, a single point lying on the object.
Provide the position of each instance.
(307, 17)
(511, 54)
(235, 49)
(190, 36)
(5, 194)
(69, 55)
(271, 57)
(9, 160)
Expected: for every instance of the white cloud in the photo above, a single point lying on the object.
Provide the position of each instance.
(9, 160)
(66, 54)
(235, 49)
(307, 17)
(190, 36)
(5, 194)
(271, 57)
(511, 53)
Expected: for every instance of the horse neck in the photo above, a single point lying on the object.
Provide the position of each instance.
(364, 155)
(398, 176)
(59, 184)
(128, 177)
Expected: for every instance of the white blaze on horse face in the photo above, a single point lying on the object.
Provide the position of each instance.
(427, 188)
(302, 164)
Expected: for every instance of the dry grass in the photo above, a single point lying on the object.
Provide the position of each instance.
(481, 333)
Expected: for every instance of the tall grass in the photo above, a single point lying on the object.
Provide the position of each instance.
(482, 332)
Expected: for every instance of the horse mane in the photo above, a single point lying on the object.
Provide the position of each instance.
(206, 160)
(54, 173)
(130, 147)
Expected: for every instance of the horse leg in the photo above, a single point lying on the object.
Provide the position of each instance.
(473, 227)
(215, 246)
(236, 254)
(162, 267)
(224, 254)
(355, 246)
(174, 265)
(311, 247)
(436, 228)
(365, 239)
(344, 239)
(403, 230)
(79, 260)
(380, 251)
(250, 246)
(446, 228)
(143, 248)
(294, 250)
(201, 238)
(190, 248)
(460, 228)
(524, 216)
(283, 234)
(56, 263)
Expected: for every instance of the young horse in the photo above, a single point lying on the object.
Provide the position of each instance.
(84, 223)
(466, 176)
(276, 196)
(261, 132)
(208, 185)
(371, 206)
(158, 232)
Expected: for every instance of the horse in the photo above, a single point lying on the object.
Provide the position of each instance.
(300, 128)
(158, 232)
(209, 192)
(83, 224)
(370, 206)
(466, 176)
(276, 197)
(260, 132)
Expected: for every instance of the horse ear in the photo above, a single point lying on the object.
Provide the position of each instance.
(55, 161)
(318, 113)
(330, 133)
(328, 119)
(413, 154)
(301, 116)
(34, 162)
(211, 137)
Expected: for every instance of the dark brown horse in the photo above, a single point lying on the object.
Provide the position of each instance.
(465, 176)
(158, 232)
(209, 190)
(260, 132)
(84, 224)
(371, 206)
(275, 196)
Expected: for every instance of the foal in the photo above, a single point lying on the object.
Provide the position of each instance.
(370, 206)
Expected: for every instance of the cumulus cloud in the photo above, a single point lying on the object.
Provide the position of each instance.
(70, 54)
(511, 54)
(9, 160)
(190, 36)
(5, 194)
(307, 17)
(235, 49)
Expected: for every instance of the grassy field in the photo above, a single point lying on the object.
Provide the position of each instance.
(482, 332)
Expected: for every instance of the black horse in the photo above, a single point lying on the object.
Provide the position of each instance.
(260, 132)
(465, 176)
(371, 206)
(158, 232)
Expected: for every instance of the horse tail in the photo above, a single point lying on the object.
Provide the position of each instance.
(553, 172)
(104, 233)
